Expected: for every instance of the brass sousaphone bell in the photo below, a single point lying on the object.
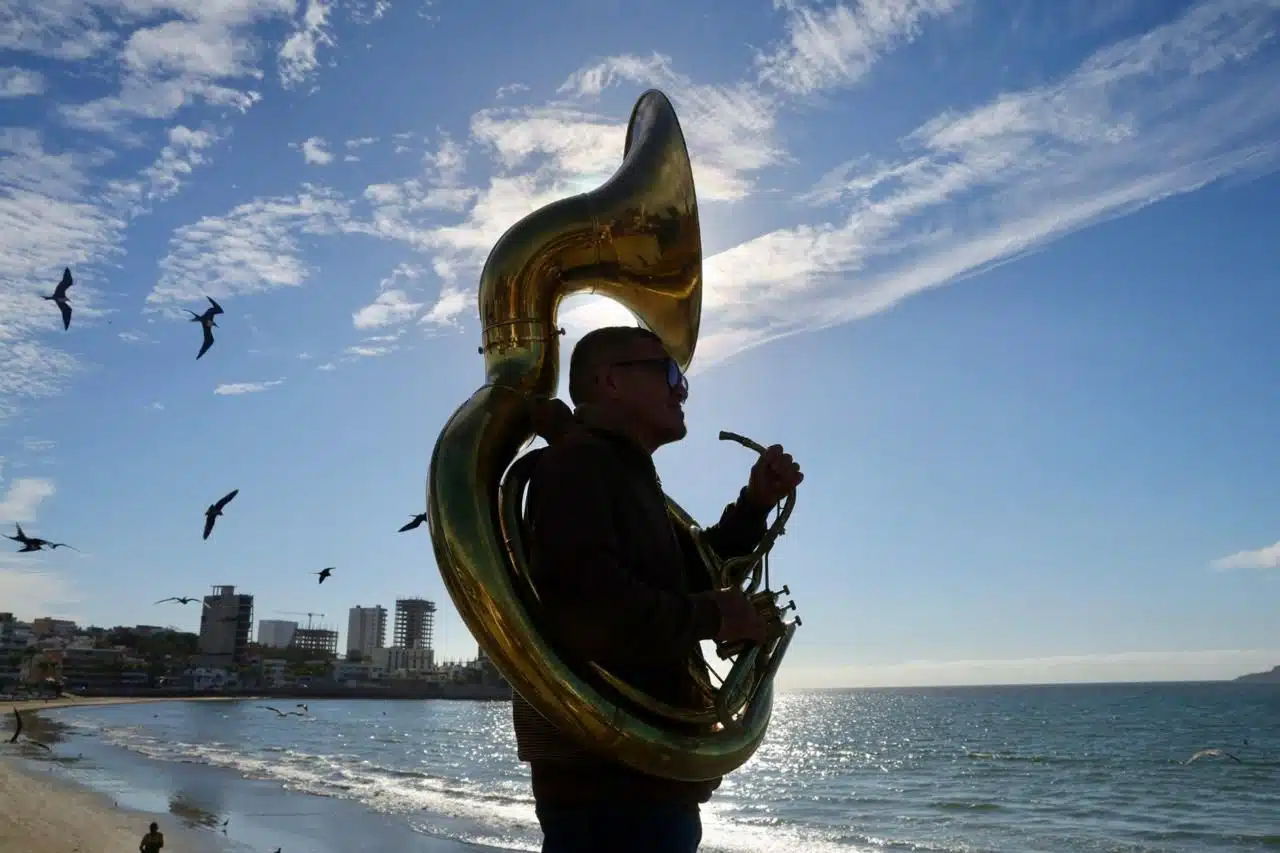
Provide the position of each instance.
(637, 240)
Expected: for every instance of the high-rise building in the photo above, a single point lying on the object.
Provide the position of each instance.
(415, 619)
(225, 623)
(366, 630)
(276, 633)
(316, 640)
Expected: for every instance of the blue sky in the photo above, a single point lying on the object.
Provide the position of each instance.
(999, 274)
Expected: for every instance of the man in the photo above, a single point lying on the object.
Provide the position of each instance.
(621, 586)
(152, 841)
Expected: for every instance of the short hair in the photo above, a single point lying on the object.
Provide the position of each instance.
(594, 349)
(154, 827)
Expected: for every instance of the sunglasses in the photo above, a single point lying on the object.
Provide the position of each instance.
(675, 376)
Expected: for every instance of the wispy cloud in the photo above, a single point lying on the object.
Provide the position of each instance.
(1261, 558)
(234, 388)
(837, 45)
(23, 498)
(314, 151)
(392, 305)
(20, 83)
(1139, 121)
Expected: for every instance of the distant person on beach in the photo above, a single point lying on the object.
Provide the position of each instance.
(619, 585)
(152, 841)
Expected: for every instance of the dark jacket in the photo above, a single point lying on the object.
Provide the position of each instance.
(619, 584)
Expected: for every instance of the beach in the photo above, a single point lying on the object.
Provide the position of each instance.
(41, 814)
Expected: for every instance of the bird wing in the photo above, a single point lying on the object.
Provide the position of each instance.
(170, 598)
(413, 522)
(18, 726)
(21, 535)
(56, 545)
(61, 290)
(226, 499)
(208, 340)
(209, 519)
(217, 309)
(66, 314)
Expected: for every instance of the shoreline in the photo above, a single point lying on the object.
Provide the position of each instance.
(43, 813)
(49, 807)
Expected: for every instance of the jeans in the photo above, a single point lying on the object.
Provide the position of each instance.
(620, 828)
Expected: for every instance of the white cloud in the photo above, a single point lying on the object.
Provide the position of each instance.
(314, 151)
(838, 45)
(37, 445)
(252, 249)
(234, 388)
(298, 56)
(20, 83)
(1261, 558)
(365, 351)
(391, 307)
(1135, 123)
(22, 500)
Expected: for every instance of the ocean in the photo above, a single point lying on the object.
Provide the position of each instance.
(1058, 769)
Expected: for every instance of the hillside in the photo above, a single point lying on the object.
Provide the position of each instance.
(1273, 675)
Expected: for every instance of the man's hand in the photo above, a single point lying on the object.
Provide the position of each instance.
(773, 477)
(739, 619)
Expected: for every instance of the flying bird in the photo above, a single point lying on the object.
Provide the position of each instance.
(324, 573)
(35, 543)
(59, 297)
(211, 514)
(283, 713)
(181, 599)
(17, 730)
(415, 522)
(1213, 753)
(207, 323)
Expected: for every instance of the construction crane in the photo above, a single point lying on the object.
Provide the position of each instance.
(309, 614)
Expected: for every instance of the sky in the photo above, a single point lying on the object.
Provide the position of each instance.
(999, 274)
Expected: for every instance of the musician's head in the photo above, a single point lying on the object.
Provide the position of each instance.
(625, 373)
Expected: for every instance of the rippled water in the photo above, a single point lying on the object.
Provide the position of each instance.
(1055, 768)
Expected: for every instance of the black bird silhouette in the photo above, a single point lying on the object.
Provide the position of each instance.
(283, 713)
(35, 543)
(415, 522)
(181, 599)
(59, 297)
(207, 323)
(211, 514)
(17, 730)
(324, 573)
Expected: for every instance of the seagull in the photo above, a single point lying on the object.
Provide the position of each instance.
(283, 713)
(181, 599)
(207, 323)
(17, 730)
(60, 297)
(415, 522)
(35, 543)
(1212, 753)
(324, 573)
(211, 514)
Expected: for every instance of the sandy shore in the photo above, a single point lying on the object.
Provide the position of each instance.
(39, 814)
(43, 815)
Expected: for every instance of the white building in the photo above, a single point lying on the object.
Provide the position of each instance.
(366, 630)
(400, 661)
(276, 633)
